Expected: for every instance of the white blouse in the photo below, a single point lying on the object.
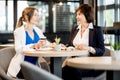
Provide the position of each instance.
(84, 39)
(81, 39)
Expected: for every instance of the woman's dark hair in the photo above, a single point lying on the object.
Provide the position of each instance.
(88, 12)
(27, 14)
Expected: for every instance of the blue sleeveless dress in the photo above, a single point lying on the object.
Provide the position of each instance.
(29, 40)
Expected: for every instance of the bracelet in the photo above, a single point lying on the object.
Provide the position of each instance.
(89, 49)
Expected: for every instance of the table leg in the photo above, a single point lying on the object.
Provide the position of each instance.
(113, 75)
(56, 66)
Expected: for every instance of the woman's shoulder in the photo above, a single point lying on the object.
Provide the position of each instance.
(74, 27)
(98, 29)
(36, 28)
(19, 29)
(95, 26)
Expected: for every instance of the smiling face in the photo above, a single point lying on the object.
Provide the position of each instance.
(80, 17)
(85, 14)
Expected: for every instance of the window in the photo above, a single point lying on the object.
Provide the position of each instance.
(6, 16)
(43, 11)
(108, 12)
(64, 16)
(2, 16)
(7, 13)
(10, 16)
(63, 19)
(21, 5)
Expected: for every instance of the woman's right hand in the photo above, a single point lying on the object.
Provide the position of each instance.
(39, 44)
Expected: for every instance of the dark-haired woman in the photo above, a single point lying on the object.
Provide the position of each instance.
(85, 36)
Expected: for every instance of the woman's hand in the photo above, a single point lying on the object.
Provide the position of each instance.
(82, 47)
(40, 44)
(52, 45)
(63, 46)
(85, 47)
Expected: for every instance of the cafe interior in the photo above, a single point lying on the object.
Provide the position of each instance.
(57, 17)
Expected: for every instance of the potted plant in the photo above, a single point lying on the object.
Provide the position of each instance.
(116, 53)
(57, 42)
(116, 46)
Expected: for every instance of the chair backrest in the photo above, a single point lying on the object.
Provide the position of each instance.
(107, 52)
(32, 72)
(6, 54)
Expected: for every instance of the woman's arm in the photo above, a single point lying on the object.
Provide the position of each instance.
(99, 48)
(19, 41)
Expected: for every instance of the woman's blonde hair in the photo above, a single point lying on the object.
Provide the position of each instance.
(26, 16)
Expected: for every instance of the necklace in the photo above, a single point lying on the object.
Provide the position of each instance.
(82, 31)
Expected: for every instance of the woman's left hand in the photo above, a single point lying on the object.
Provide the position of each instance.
(40, 44)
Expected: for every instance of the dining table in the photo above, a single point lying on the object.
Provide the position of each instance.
(56, 57)
(108, 64)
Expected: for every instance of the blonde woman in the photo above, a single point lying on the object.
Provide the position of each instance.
(26, 36)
